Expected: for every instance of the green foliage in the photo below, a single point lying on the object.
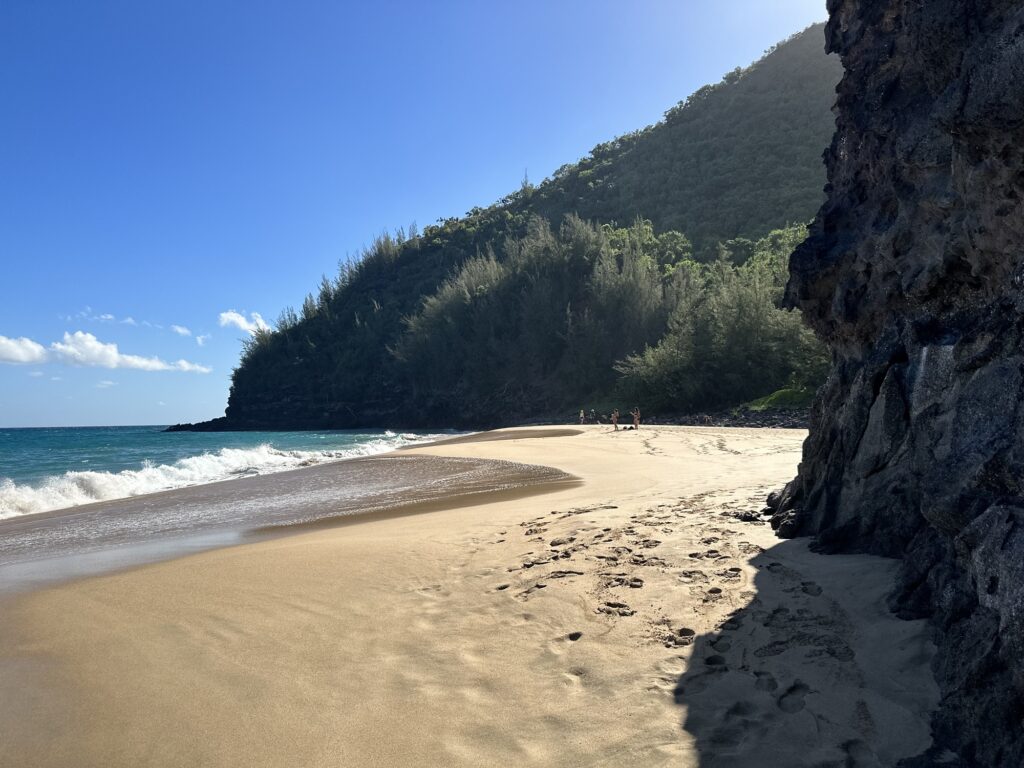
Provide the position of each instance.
(656, 279)
(539, 328)
(784, 399)
(726, 341)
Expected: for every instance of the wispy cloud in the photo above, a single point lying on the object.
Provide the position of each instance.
(181, 330)
(84, 349)
(90, 315)
(251, 324)
(21, 350)
(105, 384)
(202, 339)
(35, 374)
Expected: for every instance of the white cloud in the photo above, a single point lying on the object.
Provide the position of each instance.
(35, 374)
(21, 350)
(202, 339)
(106, 318)
(181, 330)
(253, 323)
(56, 378)
(129, 321)
(185, 365)
(160, 402)
(84, 349)
(105, 384)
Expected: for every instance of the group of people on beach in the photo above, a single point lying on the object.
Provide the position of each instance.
(614, 418)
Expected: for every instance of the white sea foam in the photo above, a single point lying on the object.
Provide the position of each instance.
(74, 488)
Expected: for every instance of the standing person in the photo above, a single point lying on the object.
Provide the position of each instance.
(636, 416)
(583, 416)
(615, 419)
(593, 416)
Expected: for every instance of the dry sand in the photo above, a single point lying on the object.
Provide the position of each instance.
(553, 630)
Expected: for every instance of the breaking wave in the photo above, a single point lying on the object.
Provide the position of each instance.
(74, 488)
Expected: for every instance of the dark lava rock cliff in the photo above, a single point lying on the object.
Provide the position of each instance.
(914, 274)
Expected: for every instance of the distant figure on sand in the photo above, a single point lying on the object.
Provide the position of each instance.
(636, 416)
(583, 416)
(615, 419)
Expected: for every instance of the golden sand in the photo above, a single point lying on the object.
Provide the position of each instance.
(630, 619)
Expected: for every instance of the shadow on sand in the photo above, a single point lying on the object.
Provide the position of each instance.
(812, 671)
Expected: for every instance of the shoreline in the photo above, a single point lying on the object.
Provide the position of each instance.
(104, 545)
(212, 480)
(633, 617)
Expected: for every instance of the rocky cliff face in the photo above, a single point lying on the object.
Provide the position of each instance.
(914, 273)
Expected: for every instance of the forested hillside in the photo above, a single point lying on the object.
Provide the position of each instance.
(646, 270)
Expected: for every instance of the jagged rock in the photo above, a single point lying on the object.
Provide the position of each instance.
(913, 273)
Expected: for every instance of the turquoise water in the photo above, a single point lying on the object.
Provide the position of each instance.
(55, 468)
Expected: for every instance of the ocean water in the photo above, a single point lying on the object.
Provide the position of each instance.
(49, 469)
(114, 498)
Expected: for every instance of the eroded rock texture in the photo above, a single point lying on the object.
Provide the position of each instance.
(914, 273)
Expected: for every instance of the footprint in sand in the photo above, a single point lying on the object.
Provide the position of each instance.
(564, 574)
(622, 580)
(765, 681)
(652, 561)
(793, 699)
(680, 638)
(721, 644)
(693, 577)
(698, 682)
(810, 588)
(712, 594)
(525, 594)
(613, 608)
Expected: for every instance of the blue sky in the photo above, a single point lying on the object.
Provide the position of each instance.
(163, 164)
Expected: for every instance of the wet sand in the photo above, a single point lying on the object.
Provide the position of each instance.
(52, 546)
(631, 619)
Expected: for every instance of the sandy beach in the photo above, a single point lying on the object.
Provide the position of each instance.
(641, 616)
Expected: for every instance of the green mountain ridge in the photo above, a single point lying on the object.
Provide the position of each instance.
(611, 278)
